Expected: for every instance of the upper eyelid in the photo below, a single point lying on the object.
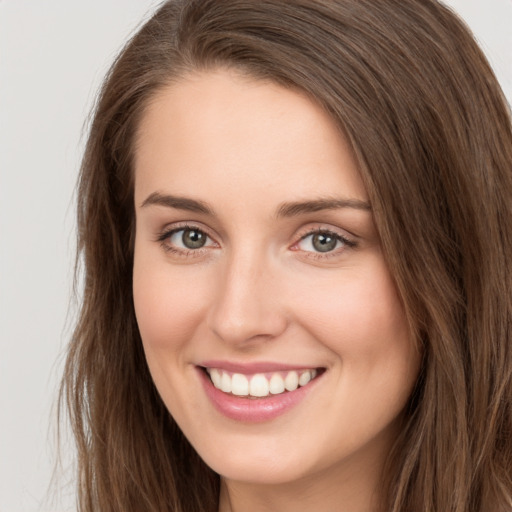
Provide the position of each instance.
(170, 229)
(348, 241)
(325, 228)
(165, 234)
(315, 231)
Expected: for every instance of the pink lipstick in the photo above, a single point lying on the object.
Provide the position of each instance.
(256, 392)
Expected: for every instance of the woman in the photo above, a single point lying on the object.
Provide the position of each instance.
(295, 221)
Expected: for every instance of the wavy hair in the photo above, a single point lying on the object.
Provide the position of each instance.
(431, 131)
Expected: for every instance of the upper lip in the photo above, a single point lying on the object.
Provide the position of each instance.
(254, 367)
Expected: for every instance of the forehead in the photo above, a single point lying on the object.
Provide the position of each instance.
(248, 135)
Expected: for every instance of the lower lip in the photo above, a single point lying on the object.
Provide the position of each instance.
(254, 410)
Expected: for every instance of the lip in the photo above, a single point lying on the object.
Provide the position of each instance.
(251, 368)
(253, 410)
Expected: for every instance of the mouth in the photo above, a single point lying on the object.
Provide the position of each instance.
(257, 392)
(261, 385)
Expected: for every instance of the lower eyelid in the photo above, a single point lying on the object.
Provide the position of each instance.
(183, 252)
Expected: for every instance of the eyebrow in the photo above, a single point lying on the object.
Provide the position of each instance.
(288, 209)
(180, 203)
(302, 207)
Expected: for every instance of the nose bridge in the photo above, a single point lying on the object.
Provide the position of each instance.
(246, 304)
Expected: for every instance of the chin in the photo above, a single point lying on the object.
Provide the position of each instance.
(261, 472)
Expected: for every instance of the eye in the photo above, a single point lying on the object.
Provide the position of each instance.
(188, 238)
(323, 242)
(185, 240)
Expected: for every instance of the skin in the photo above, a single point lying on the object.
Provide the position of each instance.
(260, 291)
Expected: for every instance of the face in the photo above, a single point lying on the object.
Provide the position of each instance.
(271, 326)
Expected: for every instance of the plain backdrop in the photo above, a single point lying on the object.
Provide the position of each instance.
(53, 55)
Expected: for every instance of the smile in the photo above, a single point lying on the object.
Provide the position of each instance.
(260, 385)
(257, 392)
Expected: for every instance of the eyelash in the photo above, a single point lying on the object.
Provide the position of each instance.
(345, 241)
(163, 239)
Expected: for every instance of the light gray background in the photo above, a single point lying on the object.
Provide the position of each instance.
(53, 55)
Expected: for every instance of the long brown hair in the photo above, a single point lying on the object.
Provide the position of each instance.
(431, 131)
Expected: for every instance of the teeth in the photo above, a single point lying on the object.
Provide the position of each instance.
(216, 378)
(259, 385)
(304, 378)
(225, 383)
(276, 385)
(239, 385)
(291, 382)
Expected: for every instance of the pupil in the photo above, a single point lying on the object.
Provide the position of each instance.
(193, 239)
(323, 242)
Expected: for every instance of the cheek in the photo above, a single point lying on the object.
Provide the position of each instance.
(168, 304)
(375, 365)
(360, 307)
(361, 319)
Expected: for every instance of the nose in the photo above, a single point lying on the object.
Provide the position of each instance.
(247, 306)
